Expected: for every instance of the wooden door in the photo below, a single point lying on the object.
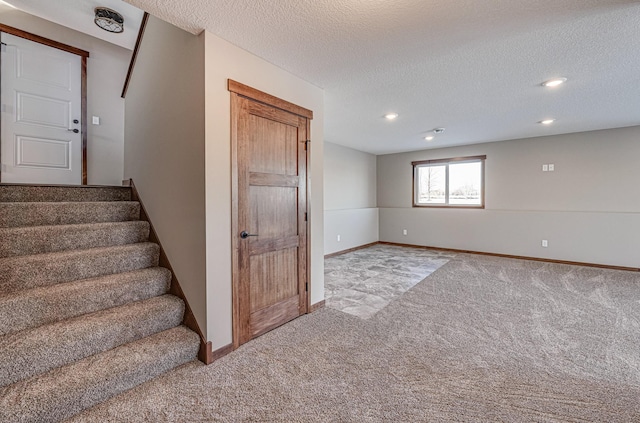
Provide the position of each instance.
(41, 134)
(270, 226)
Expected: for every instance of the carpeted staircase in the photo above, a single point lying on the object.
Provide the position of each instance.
(85, 312)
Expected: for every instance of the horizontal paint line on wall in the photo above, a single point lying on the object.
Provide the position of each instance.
(358, 208)
(513, 210)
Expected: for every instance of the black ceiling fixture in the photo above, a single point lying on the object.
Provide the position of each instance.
(109, 19)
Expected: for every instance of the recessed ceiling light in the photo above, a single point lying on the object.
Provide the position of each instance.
(429, 137)
(391, 116)
(554, 82)
(438, 130)
(547, 121)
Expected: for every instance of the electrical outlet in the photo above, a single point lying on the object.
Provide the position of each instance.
(404, 232)
(545, 243)
(551, 167)
(545, 168)
(338, 238)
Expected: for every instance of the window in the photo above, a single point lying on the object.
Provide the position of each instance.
(455, 182)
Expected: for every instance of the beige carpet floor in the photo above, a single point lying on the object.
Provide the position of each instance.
(480, 340)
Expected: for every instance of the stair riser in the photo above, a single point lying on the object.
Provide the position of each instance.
(63, 392)
(14, 215)
(49, 239)
(22, 355)
(30, 193)
(26, 272)
(32, 308)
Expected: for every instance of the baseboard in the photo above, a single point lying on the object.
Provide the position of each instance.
(220, 352)
(317, 306)
(482, 253)
(189, 319)
(204, 353)
(338, 253)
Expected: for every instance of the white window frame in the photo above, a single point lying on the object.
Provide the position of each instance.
(446, 162)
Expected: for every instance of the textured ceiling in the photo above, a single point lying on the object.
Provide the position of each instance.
(79, 15)
(472, 66)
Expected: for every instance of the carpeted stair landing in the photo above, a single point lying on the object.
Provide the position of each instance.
(85, 312)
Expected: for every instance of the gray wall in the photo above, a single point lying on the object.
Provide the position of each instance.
(164, 152)
(106, 70)
(588, 208)
(349, 198)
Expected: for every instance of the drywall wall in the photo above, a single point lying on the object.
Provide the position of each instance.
(164, 152)
(350, 210)
(349, 178)
(106, 70)
(225, 61)
(355, 227)
(588, 208)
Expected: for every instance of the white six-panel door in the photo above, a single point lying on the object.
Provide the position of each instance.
(41, 110)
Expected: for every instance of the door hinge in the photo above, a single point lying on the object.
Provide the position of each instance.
(3, 47)
(306, 143)
(306, 286)
(305, 216)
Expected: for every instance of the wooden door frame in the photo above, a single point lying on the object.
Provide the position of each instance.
(239, 90)
(83, 82)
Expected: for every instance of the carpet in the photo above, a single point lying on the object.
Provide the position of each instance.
(481, 339)
(85, 311)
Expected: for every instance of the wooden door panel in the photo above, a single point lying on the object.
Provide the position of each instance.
(270, 179)
(274, 316)
(270, 286)
(274, 212)
(274, 277)
(265, 246)
(273, 147)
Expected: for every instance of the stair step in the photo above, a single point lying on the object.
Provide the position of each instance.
(20, 214)
(50, 239)
(31, 193)
(28, 353)
(45, 305)
(26, 272)
(65, 391)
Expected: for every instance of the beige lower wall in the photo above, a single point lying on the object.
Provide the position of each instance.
(224, 61)
(349, 198)
(356, 227)
(597, 238)
(165, 150)
(106, 70)
(588, 208)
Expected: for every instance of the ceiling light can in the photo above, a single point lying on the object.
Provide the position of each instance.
(391, 116)
(554, 82)
(547, 121)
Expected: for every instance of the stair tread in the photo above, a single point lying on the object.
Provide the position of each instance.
(65, 391)
(53, 238)
(19, 214)
(85, 312)
(22, 354)
(43, 305)
(49, 193)
(30, 271)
